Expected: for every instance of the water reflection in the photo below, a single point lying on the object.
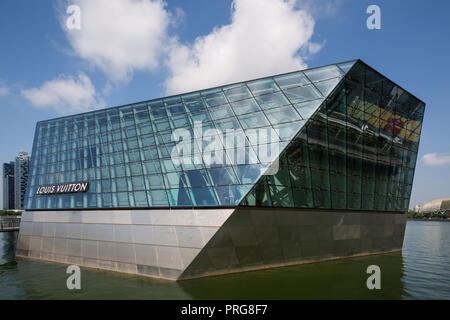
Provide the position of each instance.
(8, 242)
(421, 272)
(427, 257)
(344, 279)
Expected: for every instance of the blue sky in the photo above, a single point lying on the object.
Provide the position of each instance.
(129, 51)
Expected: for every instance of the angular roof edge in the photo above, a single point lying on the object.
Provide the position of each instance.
(231, 84)
(203, 89)
(379, 73)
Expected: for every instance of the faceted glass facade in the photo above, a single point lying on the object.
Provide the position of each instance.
(347, 136)
(358, 152)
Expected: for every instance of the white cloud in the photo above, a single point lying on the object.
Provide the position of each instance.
(322, 8)
(120, 36)
(435, 159)
(66, 95)
(263, 38)
(3, 90)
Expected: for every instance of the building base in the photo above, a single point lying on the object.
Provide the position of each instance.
(184, 244)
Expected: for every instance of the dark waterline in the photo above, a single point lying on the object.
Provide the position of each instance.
(421, 271)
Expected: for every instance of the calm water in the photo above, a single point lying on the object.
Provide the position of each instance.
(422, 271)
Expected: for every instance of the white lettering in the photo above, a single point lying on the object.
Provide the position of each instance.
(84, 186)
(182, 149)
(73, 22)
(74, 281)
(374, 281)
(374, 21)
(193, 310)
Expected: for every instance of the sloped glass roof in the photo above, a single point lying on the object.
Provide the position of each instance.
(357, 151)
(206, 148)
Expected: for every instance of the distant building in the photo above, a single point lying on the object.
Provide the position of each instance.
(21, 169)
(435, 206)
(8, 186)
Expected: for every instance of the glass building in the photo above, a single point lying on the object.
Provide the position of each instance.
(340, 138)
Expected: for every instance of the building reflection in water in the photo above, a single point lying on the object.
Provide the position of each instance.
(344, 279)
(8, 241)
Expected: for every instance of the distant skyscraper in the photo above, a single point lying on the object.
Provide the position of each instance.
(21, 169)
(8, 186)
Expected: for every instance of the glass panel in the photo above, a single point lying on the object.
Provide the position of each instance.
(263, 86)
(157, 110)
(123, 199)
(243, 155)
(158, 198)
(259, 196)
(227, 124)
(232, 195)
(262, 135)
(325, 87)
(179, 197)
(223, 176)
(253, 120)
(281, 196)
(272, 100)
(215, 99)
(291, 80)
(154, 182)
(245, 106)
(197, 178)
(200, 116)
(249, 173)
(195, 106)
(161, 125)
(180, 122)
(322, 198)
(175, 109)
(301, 94)
(307, 109)
(204, 197)
(138, 183)
(346, 66)
(221, 112)
(282, 115)
(303, 198)
(287, 131)
(174, 180)
(237, 93)
(141, 199)
(323, 73)
(121, 184)
(280, 178)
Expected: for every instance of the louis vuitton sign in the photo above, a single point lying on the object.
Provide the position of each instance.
(77, 187)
